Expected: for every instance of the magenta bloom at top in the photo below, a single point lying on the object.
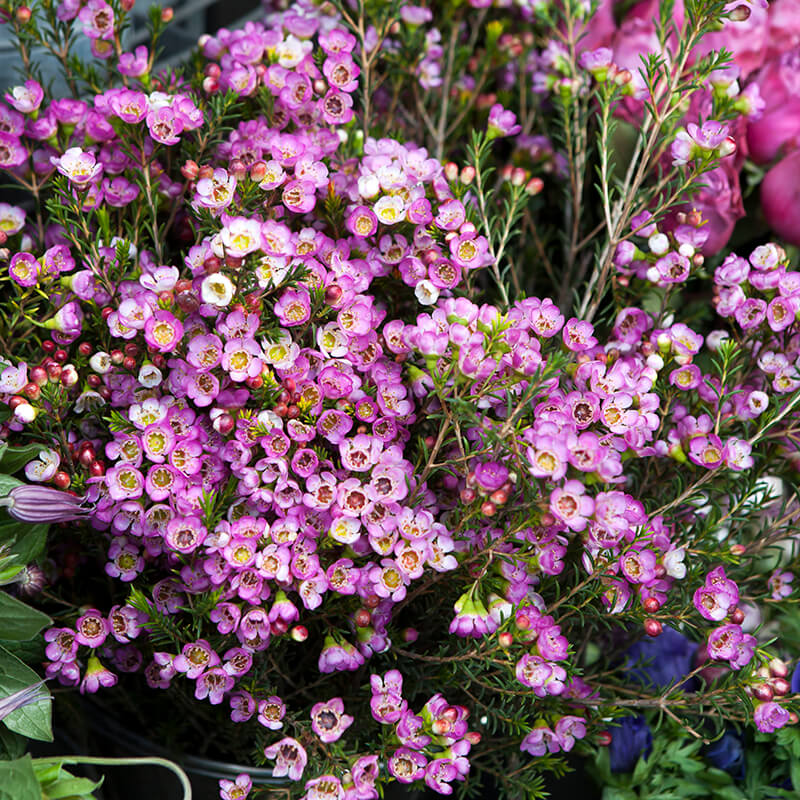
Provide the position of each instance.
(98, 20)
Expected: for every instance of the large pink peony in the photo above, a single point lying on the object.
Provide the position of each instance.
(780, 198)
(779, 126)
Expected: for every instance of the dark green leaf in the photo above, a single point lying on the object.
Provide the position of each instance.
(34, 720)
(13, 459)
(18, 621)
(18, 780)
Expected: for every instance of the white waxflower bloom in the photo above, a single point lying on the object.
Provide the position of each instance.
(100, 362)
(426, 293)
(217, 289)
(149, 376)
(658, 244)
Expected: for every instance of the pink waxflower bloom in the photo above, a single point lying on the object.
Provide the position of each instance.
(470, 251)
(126, 561)
(24, 269)
(12, 151)
(695, 141)
(540, 740)
(572, 505)
(195, 658)
(326, 787)
(215, 192)
(98, 20)
(362, 221)
(290, 758)
(243, 706)
(134, 64)
(329, 721)
(26, 99)
(185, 534)
(293, 307)
(129, 105)
(241, 236)
(770, 716)
(96, 675)
(235, 790)
(44, 467)
(125, 623)
(502, 122)
(736, 454)
(406, 765)
(336, 107)
(440, 773)
(577, 335)
(541, 676)
(213, 684)
(671, 268)
(568, 729)
(780, 584)
(706, 451)
(271, 713)
(80, 167)
(751, 313)
(299, 196)
(723, 642)
(713, 605)
(242, 359)
(163, 331)
(686, 377)
(164, 125)
(91, 629)
(62, 644)
(684, 340)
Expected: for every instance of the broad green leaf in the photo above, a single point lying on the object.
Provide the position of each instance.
(13, 459)
(35, 720)
(19, 621)
(18, 780)
(70, 787)
(27, 541)
(7, 483)
(611, 793)
(12, 745)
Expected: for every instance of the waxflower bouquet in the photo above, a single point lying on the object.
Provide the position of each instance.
(406, 402)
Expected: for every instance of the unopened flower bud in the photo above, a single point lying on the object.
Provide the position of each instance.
(505, 639)
(727, 148)
(780, 686)
(763, 692)
(23, 14)
(467, 175)
(451, 171)
(652, 627)
(167, 14)
(210, 85)
(534, 186)
(778, 668)
(299, 633)
(518, 176)
(410, 635)
(189, 170)
(740, 14)
(651, 605)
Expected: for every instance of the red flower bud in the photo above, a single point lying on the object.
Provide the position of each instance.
(652, 627)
